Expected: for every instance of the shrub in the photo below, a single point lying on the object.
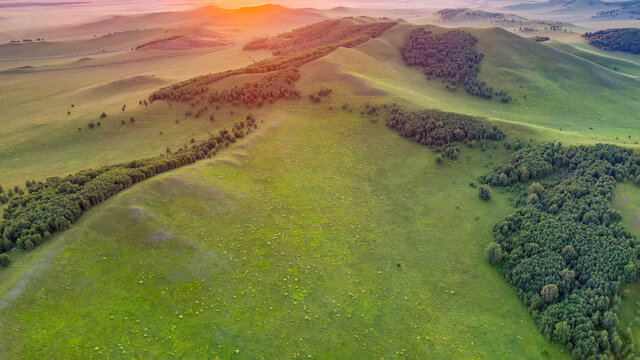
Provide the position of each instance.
(493, 253)
(5, 260)
(484, 192)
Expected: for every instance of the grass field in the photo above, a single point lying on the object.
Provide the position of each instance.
(324, 235)
(327, 236)
(627, 201)
(38, 139)
(561, 99)
(616, 61)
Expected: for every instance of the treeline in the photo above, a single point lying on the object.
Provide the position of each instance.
(448, 14)
(53, 205)
(189, 90)
(317, 35)
(564, 249)
(10, 193)
(625, 39)
(275, 86)
(435, 128)
(450, 56)
(538, 38)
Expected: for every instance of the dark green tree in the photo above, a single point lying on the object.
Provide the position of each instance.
(484, 192)
(493, 253)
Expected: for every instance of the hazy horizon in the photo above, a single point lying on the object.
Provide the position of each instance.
(18, 15)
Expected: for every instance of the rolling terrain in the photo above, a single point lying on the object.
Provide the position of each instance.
(323, 234)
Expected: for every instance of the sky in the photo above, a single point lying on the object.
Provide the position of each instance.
(21, 14)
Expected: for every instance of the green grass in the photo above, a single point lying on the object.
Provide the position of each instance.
(288, 245)
(627, 201)
(567, 97)
(602, 58)
(38, 139)
(285, 246)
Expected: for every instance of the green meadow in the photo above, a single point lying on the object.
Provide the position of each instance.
(323, 235)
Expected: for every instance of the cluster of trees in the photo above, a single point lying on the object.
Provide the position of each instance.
(436, 128)
(624, 39)
(317, 98)
(274, 86)
(190, 89)
(448, 14)
(539, 38)
(53, 205)
(564, 249)
(317, 35)
(11, 192)
(450, 56)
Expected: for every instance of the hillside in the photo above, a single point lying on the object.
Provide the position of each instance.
(352, 221)
(544, 82)
(252, 253)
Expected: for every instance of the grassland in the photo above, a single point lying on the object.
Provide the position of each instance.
(324, 235)
(327, 235)
(627, 201)
(560, 99)
(617, 61)
(38, 139)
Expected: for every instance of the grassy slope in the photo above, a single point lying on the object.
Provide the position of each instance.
(315, 188)
(287, 246)
(611, 61)
(627, 201)
(566, 95)
(38, 139)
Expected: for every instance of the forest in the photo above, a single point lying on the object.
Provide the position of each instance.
(450, 56)
(274, 86)
(31, 217)
(564, 249)
(437, 129)
(448, 14)
(296, 55)
(317, 35)
(625, 39)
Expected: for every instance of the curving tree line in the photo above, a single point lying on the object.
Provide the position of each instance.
(437, 129)
(297, 54)
(564, 249)
(275, 86)
(318, 34)
(53, 205)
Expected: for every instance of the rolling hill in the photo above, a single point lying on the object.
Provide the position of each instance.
(240, 21)
(323, 234)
